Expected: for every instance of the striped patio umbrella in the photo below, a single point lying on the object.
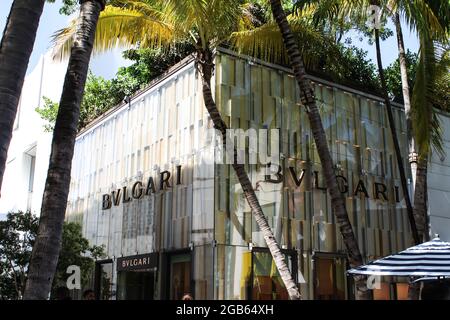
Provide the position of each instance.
(429, 259)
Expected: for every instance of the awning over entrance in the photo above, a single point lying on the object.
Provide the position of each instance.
(430, 259)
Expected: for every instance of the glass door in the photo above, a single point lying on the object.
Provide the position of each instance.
(136, 285)
(180, 275)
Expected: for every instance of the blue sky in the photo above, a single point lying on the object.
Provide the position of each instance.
(107, 64)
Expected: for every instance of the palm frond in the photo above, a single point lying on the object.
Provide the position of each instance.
(147, 7)
(434, 65)
(118, 27)
(267, 44)
(331, 10)
(210, 20)
(420, 16)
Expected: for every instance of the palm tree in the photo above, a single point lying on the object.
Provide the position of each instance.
(46, 249)
(309, 102)
(425, 17)
(15, 50)
(422, 123)
(207, 24)
(429, 84)
(432, 79)
(432, 74)
(400, 163)
(363, 5)
(422, 18)
(358, 9)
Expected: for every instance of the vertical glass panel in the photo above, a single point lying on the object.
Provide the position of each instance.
(203, 272)
(233, 273)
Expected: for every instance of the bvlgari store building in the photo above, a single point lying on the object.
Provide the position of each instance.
(172, 220)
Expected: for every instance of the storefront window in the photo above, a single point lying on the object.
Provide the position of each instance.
(329, 278)
(383, 292)
(267, 283)
(250, 275)
(402, 291)
(233, 272)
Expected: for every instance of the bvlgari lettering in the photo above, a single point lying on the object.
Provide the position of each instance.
(126, 197)
(360, 187)
(138, 191)
(380, 190)
(138, 262)
(165, 176)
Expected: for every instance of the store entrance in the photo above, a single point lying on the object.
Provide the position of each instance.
(135, 285)
(136, 276)
(180, 275)
(266, 281)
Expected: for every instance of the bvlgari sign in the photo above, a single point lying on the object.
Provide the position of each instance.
(138, 190)
(138, 262)
(379, 190)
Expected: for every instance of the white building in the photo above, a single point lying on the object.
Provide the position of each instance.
(29, 151)
(439, 186)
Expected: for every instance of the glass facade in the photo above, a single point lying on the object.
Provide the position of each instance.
(257, 96)
(199, 221)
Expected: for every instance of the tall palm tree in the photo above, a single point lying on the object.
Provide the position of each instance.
(309, 102)
(46, 249)
(426, 123)
(207, 24)
(426, 18)
(421, 18)
(432, 71)
(358, 9)
(432, 79)
(15, 50)
(400, 163)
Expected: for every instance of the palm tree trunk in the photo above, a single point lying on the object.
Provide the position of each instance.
(48, 241)
(401, 167)
(15, 50)
(420, 205)
(205, 60)
(309, 101)
(406, 99)
(420, 199)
